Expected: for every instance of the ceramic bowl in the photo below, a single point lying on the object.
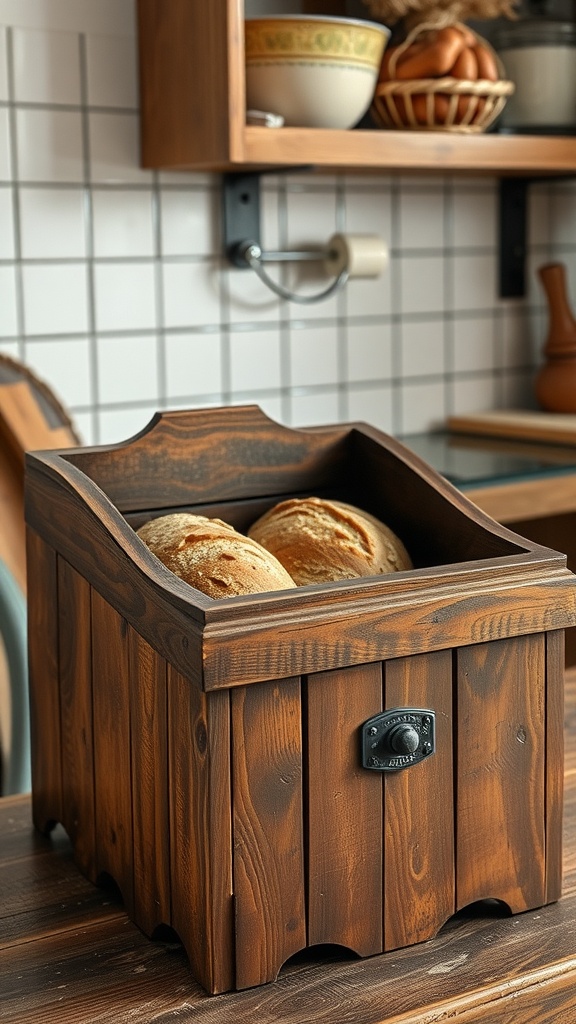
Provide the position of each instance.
(317, 72)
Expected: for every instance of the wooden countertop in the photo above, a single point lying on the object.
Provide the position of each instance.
(69, 954)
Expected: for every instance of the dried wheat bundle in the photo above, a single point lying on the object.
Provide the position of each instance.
(438, 12)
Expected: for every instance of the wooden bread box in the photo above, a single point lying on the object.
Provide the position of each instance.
(346, 763)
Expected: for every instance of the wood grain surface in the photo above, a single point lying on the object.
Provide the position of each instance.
(70, 955)
(419, 809)
(473, 579)
(501, 743)
(269, 868)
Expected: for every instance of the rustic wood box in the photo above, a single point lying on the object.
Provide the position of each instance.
(209, 755)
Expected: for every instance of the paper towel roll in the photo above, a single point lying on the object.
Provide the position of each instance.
(361, 255)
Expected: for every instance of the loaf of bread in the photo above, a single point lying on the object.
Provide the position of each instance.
(211, 556)
(318, 540)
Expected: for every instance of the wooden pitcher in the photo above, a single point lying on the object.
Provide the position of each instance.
(556, 380)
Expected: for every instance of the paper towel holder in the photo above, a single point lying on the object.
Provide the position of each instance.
(241, 194)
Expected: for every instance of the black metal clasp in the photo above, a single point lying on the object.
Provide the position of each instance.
(398, 739)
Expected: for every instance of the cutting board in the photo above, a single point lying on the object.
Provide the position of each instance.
(521, 424)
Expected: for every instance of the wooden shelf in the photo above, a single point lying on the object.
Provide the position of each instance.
(409, 151)
(193, 112)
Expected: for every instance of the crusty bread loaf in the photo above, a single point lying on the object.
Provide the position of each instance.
(211, 556)
(318, 540)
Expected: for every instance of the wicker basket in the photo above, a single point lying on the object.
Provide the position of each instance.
(441, 104)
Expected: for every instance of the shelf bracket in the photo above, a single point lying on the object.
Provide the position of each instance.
(241, 212)
(513, 219)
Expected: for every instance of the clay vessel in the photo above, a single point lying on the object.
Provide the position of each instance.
(555, 383)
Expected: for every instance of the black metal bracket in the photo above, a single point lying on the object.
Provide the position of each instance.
(241, 213)
(513, 228)
(241, 210)
(513, 233)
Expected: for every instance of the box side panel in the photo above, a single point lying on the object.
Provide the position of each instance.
(113, 782)
(102, 548)
(43, 670)
(419, 809)
(501, 749)
(345, 833)
(149, 765)
(554, 762)
(269, 874)
(200, 829)
(75, 639)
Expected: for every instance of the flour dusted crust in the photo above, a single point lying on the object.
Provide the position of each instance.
(317, 540)
(211, 556)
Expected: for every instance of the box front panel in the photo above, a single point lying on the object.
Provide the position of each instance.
(419, 809)
(345, 834)
(200, 829)
(501, 758)
(269, 874)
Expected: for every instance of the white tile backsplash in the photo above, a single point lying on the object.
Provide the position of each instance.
(313, 356)
(255, 360)
(369, 296)
(49, 145)
(312, 218)
(7, 247)
(474, 394)
(423, 406)
(114, 286)
(46, 67)
(111, 71)
(115, 149)
(55, 298)
(422, 219)
(8, 305)
(372, 405)
(422, 348)
(368, 352)
(125, 296)
(191, 294)
(3, 66)
(422, 288)
(52, 223)
(473, 347)
(127, 369)
(5, 146)
(474, 281)
(475, 219)
(193, 365)
(65, 366)
(123, 222)
(369, 212)
(122, 424)
(315, 409)
(248, 299)
(188, 222)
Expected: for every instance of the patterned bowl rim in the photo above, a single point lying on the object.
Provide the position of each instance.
(320, 19)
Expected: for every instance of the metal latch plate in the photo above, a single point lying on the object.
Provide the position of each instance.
(398, 738)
